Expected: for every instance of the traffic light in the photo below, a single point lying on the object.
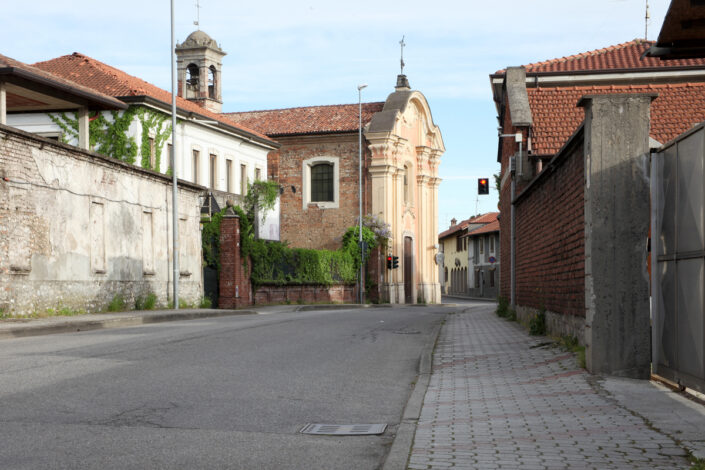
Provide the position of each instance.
(483, 186)
(395, 262)
(389, 261)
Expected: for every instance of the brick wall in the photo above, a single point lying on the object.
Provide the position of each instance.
(550, 234)
(314, 227)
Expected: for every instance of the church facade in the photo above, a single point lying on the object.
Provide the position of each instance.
(317, 169)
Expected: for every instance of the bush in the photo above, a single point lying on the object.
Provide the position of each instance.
(276, 263)
(117, 304)
(537, 324)
(502, 307)
(147, 302)
(205, 303)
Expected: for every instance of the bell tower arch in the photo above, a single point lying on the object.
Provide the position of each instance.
(199, 68)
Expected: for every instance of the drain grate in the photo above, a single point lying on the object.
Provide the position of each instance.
(344, 429)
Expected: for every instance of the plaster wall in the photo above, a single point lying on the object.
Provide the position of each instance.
(78, 228)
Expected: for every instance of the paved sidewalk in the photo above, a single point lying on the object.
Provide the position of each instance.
(499, 398)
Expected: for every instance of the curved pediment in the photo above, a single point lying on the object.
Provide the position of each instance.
(406, 114)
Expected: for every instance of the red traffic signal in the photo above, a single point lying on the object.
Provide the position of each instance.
(389, 262)
(483, 186)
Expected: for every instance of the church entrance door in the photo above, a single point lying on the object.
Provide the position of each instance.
(408, 271)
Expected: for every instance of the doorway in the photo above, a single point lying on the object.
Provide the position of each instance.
(408, 271)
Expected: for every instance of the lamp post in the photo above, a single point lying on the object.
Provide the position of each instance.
(362, 248)
(174, 193)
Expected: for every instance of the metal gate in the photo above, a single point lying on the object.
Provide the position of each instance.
(678, 260)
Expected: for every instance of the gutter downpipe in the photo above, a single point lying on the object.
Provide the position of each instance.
(514, 232)
(174, 189)
(518, 137)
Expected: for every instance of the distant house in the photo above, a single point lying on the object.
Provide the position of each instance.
(466, 258)
(483, 256)
(455, 260)
(317, 169)
(212, 150)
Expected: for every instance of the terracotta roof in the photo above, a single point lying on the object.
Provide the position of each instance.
(489, 228)
(307, 120)
(94, 74)
(484, 218)
(37, 74)
(556, 115)
(627, 55)
(487, 218)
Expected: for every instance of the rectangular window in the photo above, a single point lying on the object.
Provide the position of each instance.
(147, 244)
(96, 216)
(184, 243)
(258, 174)
(194, 169)
(322, 182)
(491, 243)
(213, 170)
(229, 175)
(243, 179)
(481, 241)
(152, 155)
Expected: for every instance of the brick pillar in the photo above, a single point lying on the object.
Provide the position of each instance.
(234, 278)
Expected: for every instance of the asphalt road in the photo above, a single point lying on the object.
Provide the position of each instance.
(230, 392)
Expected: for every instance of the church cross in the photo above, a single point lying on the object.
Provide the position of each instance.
(402, 44)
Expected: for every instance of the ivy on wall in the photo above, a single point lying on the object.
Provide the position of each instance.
(157, 126)
(110, 137)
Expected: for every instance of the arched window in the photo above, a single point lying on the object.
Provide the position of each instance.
(322, 182)
(192, 83)
(211, 82)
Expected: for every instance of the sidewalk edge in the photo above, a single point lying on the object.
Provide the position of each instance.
(398, 455)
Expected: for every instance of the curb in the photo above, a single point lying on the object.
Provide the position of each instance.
(398, 456)
(72, 326)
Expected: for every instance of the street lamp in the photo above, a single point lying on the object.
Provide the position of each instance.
(174, 189)
(362, 248)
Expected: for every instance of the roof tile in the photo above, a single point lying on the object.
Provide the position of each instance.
(307, 120)
(556, 115)
(102, 77)
(627, 55)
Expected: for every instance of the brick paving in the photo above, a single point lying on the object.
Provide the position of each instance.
(499, 398)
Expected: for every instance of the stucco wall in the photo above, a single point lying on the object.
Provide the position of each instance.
(77, 228)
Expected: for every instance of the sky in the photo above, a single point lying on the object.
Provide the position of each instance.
(289, 53)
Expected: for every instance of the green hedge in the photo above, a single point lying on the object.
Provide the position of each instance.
(275, 263)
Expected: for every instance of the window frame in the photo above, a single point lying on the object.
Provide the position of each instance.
(307, 165)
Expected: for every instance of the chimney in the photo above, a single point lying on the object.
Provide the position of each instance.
(453, 222)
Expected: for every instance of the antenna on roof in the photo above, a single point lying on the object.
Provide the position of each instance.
(198, 14)
(647, 17)
(402, 44)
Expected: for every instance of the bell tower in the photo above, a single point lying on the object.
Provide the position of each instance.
(199, 65)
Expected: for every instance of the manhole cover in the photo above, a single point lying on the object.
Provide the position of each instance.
(344, 429)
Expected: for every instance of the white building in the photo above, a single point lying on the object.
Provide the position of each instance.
(212, 150)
